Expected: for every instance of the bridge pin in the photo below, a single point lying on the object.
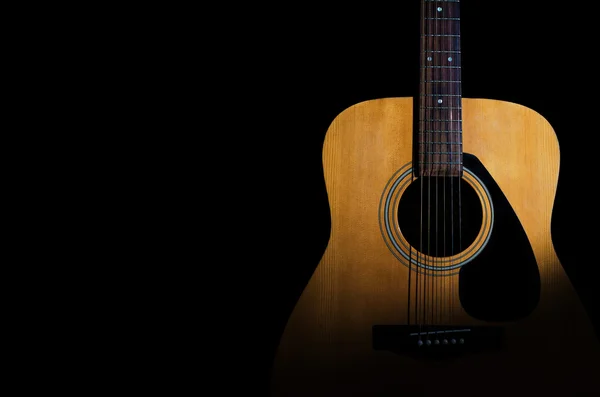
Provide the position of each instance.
(436, 342)
(428, 342)
(453, 341)
(420, 342)
(445, 342)
(461, 341)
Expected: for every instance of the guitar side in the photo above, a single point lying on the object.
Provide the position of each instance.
(326, 347)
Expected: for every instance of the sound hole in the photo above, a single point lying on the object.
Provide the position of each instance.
(440, 216)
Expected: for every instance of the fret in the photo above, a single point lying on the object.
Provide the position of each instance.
(434, 51)
(430, 142)
(441, 90)
(431, 112)
(429, 124)
(444, 112)
(440, 162)
(440, 81)
(440, 107)
(447, 19)
(450, 153)
(452, 121)
(441, 45)
(438, 56)
(452, 135)
(440, 143)
(450, 108)
(439, 131)
(427, 142)
(441, 38)
(439, 67)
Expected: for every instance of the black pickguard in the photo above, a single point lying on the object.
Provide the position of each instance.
(503, 282)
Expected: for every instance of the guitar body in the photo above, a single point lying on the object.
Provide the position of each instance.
(548, 343)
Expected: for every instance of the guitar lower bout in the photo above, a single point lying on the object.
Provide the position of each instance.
(474, 276)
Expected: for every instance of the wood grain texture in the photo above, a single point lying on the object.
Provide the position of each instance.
(326, 346)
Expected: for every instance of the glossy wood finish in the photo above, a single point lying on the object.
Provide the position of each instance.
(325, 349)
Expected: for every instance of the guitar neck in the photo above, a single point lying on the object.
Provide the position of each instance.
(440, 112)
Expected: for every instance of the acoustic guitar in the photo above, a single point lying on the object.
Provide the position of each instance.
(440, 275)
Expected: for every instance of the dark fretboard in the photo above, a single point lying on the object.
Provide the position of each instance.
(439, 137)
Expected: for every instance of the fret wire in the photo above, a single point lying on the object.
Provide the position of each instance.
(451, 153)
(440, 162)
(453, 121)
(438, 57)
(439, 131)
(440, 143)
(440, 107)
(428, 108)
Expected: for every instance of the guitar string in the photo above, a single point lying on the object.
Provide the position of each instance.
(410, 265)
(451, 138)
(444, 279)
(446, 127)
(427, 160)
(459, 160)
(440, 171)
(435, 166)
(421, 165)
(427, 303)
(429, 173)
(431, 167)
(442, 148)
(460, 167)
(437, 171)
(453, 159)
(432, 173)
(438, 126)
(426, 174)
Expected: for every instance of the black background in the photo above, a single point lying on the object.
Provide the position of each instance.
(309, 63)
